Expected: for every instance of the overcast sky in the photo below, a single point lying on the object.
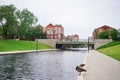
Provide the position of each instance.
(76, 16)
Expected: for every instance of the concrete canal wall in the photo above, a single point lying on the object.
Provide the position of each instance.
(97, 42)
(50, 42)
(100, 42)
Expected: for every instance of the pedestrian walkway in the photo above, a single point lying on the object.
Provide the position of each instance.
(101, 67)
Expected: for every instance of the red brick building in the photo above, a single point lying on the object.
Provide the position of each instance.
(41, 28)
(101, 29)
(72, 37)
(54, 31)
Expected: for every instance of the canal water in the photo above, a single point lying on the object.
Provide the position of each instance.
(50, 65)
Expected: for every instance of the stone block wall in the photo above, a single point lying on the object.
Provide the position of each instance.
(101, 42)
(50, 42)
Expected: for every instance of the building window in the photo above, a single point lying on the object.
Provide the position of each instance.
(48, 31)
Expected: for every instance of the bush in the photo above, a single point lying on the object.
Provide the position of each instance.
(114, 35)
(103, 35)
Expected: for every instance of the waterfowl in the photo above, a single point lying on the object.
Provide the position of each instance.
(81, 65)
(80, 69)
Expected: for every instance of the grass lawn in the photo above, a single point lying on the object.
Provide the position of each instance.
(109, 45)
(113, 51)
(14, 45)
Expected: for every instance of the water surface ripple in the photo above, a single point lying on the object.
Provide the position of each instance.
(50, 65)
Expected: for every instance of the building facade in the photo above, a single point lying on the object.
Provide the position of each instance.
(101, 29)
(72, 38)
(54, 31)
(41, 28)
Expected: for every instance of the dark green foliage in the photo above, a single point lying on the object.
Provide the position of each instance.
(43, 35)
(103, 35)
(18, 24)
(33, 33)
(114, 35)
(7, 20)
(118, 35)
(0, 30)
(25, 20)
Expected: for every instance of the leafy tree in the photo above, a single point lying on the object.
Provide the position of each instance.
(0, 30)
(114, 34)
(7, 20)
(25, 19)
(118, 34)
(103, 35)
(17, 24)
(43, 35)
(33, 33)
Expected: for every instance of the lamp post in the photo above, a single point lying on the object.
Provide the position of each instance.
(36, 44)
(53, 33)
(88, 44)
(36, 40)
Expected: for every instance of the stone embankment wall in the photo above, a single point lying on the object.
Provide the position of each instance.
(97, 42)
(50, 42)
(101, 42)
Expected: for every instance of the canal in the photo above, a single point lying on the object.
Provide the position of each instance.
(50, 65)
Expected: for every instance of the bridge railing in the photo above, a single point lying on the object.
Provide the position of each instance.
(81, 40)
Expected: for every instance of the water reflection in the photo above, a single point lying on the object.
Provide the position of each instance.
(51, 65)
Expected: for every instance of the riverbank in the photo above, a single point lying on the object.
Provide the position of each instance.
(19, 45)
(26, 51)
(81, 77)
(112, 51)
(100, 67)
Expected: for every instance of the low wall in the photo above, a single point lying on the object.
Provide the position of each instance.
(100, 42)
(97, 42)
(50, 42)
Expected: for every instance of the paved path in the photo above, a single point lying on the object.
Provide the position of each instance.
(101, 67)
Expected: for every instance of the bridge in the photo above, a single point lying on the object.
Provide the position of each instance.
(91, 44)
(75, 44)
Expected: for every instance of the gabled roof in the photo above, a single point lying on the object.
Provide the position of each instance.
(50, 25)
(105, 26)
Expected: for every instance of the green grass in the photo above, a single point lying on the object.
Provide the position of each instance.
(112, 51)
(14, 45)
(109, 45)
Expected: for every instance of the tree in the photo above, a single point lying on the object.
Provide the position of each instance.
(118, 34)
(15, 23)
(25, 19)
(43, 35)
(114, 34)
(7, 20)
(33, 33)
(103, 35)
